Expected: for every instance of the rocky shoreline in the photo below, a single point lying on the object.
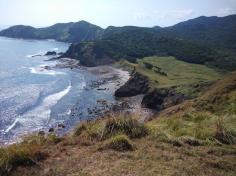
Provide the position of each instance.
(109, 79)
(131, 91)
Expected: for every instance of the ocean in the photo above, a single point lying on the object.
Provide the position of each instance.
(33, 98)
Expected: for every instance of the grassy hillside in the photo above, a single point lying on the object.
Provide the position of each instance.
(182, 140)
(165, 72)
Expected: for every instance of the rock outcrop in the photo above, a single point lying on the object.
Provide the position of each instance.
(51, 53)
(160, 99)
(137, 84)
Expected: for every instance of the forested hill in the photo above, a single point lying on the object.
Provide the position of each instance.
(217, 32)
(203, 40)
(210, 31)
(130, 42)
(66, 32)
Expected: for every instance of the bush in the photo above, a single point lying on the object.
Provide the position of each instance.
(119, 143)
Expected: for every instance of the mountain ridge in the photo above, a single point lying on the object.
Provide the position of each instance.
(65, 32)
(203, 40)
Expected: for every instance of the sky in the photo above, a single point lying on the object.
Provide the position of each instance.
(39, 13)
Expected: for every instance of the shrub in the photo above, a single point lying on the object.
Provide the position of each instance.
(119, 143)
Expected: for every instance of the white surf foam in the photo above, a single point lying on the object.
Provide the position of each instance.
(54, 49)
(41, 70)
(40, 115)
(41, 53)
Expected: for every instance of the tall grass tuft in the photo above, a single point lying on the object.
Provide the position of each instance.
(19, 155)
(119, 143)
(125, 125)
(222, 134)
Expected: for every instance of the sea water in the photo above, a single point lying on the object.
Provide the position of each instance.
(33, 98)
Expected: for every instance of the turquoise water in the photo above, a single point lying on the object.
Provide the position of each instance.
(33, 98)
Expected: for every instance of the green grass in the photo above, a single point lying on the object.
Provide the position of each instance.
(112, 126)
(194, 127)
(173, 73)
(178, 72)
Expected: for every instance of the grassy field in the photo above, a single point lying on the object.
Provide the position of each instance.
(168, 72)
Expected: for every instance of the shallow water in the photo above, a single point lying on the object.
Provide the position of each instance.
(33, 98)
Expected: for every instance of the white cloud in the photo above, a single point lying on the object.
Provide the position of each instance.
(175, 14)
(225, 12)
(142, 16)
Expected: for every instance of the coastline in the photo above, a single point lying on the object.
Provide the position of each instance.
(109, 79)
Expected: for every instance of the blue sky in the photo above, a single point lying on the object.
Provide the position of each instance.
(110, 12)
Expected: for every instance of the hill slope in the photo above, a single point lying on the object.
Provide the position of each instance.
(134, 43)
(196, 142)
(217, 32)
(204, 40)
(66, 32)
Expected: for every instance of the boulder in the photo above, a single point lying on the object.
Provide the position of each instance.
(50, 53)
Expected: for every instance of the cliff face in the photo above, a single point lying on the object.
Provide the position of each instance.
(162, 99)
(137, 84)
(157, 99)
(88, 54)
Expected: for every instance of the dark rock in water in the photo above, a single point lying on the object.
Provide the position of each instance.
(61, 125)
(60, 53)
(102, 89)
(47, 67)
(137, 84)
(41, 133)
(51, 130)
(50, 53)
(162, 98)
(37, 55)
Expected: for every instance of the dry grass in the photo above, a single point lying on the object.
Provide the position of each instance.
(182, 141)
(118, 143)
(19, 155)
